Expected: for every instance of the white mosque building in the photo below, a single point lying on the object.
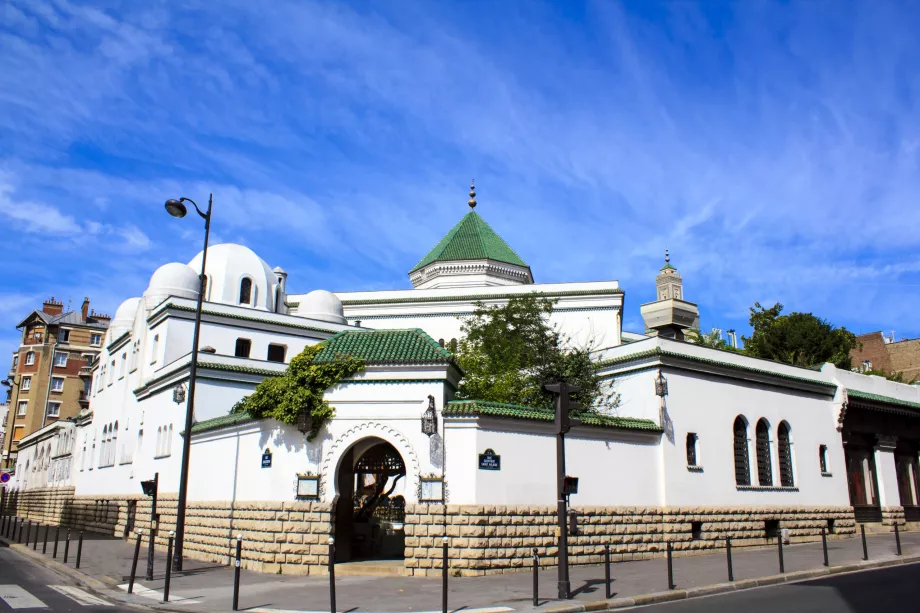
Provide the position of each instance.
(704, 443)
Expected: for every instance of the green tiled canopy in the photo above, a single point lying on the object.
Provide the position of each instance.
(411, 346)
(471, 239)
(474, 408)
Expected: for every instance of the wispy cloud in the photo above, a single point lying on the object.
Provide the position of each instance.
(774, 148)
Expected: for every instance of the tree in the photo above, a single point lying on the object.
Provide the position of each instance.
(301, 388)
(800, 339)
(713, 339)
(509, 352)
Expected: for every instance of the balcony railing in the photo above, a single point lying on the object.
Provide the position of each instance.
(86, 371)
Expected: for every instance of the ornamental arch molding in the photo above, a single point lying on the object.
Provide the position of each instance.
(362, 431)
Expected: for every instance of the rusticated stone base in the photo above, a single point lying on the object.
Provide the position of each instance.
(493, 539)
(892, 516)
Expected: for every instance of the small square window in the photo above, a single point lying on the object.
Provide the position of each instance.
(95, 339)
(54, 409)
(26, 384)
(64, 336)
(57, 384)
(30, 358)
(243, 346)
(15, 360)
(23, 407)
(276, 353)
(60, 359)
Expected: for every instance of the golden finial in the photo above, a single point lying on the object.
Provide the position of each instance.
(472, 201)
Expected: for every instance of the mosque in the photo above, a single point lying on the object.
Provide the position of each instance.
(704, 444)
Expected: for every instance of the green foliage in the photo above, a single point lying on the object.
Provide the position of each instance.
(713, 340)
(897, 377)
(509, 352)
(300, 388)
(800, 339)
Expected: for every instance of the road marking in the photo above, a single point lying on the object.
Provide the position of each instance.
(270, 610)
(146, 592)
(17, 598)
(84, 598)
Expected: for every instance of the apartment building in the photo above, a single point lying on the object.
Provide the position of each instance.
(50, 376)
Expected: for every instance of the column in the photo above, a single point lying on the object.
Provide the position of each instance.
(888, 494)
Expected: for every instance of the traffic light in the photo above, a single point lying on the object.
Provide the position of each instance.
(564, 405)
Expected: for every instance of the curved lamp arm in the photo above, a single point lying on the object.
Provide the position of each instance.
(195, 204)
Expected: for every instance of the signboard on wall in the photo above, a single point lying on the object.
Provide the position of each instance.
(489, 460)
(267, 459)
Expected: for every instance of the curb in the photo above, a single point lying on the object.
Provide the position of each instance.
(724, 588)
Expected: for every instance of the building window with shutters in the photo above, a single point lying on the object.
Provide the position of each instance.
(243, 346)
(764, 459)
(742, 466)
(692, 440)
(784, 449)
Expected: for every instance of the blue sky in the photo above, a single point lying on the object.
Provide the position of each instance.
(771, 146)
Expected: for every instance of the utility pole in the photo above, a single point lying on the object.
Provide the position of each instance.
(564, 423)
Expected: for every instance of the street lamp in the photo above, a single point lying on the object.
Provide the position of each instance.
(430, 418)
(177, 209)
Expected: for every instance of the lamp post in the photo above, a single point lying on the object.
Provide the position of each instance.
(177, 209)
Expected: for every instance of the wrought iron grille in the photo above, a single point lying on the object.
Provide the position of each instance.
(785, 456)
(381, 460)
(691, 449)
(742, 469)
(764, 468)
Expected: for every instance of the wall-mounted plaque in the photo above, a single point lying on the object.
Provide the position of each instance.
(489, 460)
(267, 459)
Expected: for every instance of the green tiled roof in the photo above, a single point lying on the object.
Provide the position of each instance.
(471, 239)
(222, 422)
(883, 399)
(411, 346)
(473, 408)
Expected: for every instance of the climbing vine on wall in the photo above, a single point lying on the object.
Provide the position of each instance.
(300, 388)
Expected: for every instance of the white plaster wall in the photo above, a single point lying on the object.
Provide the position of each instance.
(708, 406)
(886, 471)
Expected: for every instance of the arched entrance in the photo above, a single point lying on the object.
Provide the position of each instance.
(370, 502)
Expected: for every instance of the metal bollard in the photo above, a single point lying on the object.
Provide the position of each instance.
(169, 547)
(332, 574)
(779, 541)
(150, 543)
(137, 553)
(862, 528)
(35, 541)
(443, 577)
(897, 538)
(67, 546)
(728, 556)
(607, 571)
(824, 545)
(3, 521)
(236, 572)
(671, 585)
(28, 530)
(536, 578)
(80, 549)
(45, 540)
(57, 537)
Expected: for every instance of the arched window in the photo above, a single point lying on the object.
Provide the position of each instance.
(822, 458)
(169, 438)
(764, 462)
(742, 466)
(691, 449)
(246, 291)
(204, 287)
(159, 448)
(784, 449)
(102, 445)
(114, 450)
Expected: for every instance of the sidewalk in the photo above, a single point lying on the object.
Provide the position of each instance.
(206, 586)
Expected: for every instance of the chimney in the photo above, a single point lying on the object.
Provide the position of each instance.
(51, 307)
(85, 310)
(99, 317)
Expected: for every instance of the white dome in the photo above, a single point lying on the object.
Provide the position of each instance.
(227, 266)
(173, 279)
(322, 305)
(124, 318)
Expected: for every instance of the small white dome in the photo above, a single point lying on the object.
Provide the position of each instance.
(124, 319)
(228, 264)
(173, 279)
(322, 305)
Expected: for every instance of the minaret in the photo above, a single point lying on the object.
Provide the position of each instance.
(670, 315)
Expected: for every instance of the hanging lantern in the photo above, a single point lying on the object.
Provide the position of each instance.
(304, 422)
(661, 385)
(179, 393)
(430, 418)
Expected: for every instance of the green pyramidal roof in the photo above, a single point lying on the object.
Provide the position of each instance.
(471, 239)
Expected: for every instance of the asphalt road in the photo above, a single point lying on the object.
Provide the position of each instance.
(892, 589)
(26, 586)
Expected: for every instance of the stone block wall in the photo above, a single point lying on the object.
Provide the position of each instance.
(493, 539)
(278, 537)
